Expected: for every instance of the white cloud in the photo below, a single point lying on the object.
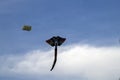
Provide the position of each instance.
(92, 63)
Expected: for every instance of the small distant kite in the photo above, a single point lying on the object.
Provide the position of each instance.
(55, 41)
(27, 28)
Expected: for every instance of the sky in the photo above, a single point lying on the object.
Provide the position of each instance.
(91, 50)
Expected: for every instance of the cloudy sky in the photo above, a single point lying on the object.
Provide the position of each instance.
(91, 51)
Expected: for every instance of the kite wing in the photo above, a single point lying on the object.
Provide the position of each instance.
(60, 40)
(52, 41)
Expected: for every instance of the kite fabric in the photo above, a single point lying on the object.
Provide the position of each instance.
(57, 39)
(27, 28)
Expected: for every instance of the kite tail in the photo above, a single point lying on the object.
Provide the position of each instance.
(55, 58)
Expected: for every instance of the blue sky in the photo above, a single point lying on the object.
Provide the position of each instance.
(82, 22)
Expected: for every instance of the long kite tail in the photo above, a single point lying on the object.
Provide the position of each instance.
(55, 58)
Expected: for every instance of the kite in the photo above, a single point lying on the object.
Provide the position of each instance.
(55, 41)
(27, 28)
